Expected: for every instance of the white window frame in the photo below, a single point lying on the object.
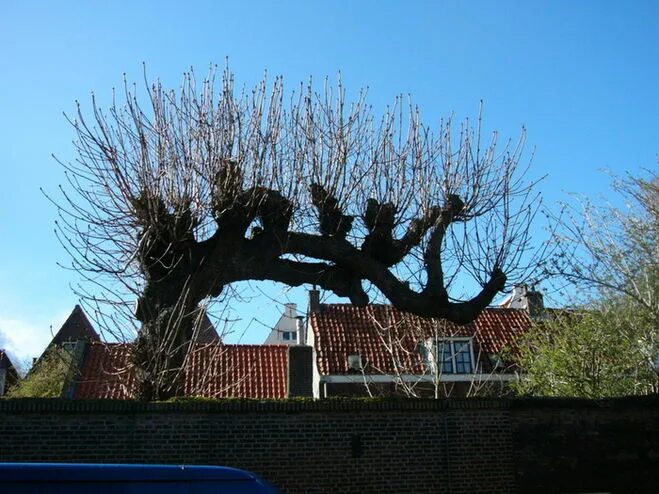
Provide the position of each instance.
(439, 362)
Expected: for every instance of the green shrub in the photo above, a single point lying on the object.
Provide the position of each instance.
(47, 377)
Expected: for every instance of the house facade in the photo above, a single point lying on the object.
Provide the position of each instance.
(378, 350)
(340, 350)
(213, 369)
(288, 329)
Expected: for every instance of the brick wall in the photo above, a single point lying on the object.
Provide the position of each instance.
(586, 446)
(354, 446)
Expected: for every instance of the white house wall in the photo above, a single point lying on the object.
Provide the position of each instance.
(287, 324)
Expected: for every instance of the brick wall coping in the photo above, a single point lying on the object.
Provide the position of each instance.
(35, 405)
(627, 402)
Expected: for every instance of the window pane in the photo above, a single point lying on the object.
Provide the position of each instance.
(462, 357)
(444, 356)
(287, 335)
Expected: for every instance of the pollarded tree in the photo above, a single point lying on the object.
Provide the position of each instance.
(180, 197)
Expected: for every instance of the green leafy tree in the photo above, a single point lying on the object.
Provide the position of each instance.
(609, 256)
(47, 377)
(592, 354)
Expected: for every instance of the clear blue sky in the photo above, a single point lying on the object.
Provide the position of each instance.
(583, 77)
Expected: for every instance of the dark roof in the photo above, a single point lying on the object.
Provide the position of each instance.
(76, 327)
(207, 333)
(11, 377)
(213, 371)
(343, 329)
(5, 361)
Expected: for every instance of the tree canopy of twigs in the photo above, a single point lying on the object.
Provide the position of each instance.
(179, 194)
(606, 251)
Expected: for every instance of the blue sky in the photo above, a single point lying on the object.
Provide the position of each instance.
(581, 76)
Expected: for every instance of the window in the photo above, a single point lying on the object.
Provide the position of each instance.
(289, 335)
(454, 356)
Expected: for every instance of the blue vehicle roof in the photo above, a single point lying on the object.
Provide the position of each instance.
(82, 472)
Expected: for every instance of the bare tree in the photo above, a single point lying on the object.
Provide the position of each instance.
(608, 255)
(173, 200)
(606, 250)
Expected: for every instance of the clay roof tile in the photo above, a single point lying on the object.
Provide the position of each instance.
(383, 335)
(212, 371)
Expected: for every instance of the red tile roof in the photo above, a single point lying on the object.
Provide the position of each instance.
(106, 373)
(213, 371)
(238, 371)
(383, 336)
(76, 327)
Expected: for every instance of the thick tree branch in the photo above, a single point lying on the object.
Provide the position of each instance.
(332, 221)
(427, 303)
(433, 254)
(296, 273)
(380, 244)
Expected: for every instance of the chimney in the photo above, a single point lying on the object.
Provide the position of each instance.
(518, 298)
(290, 310)
(301, 333)
(535, 303)
(530, 300)
(300, 371)
(314, 301)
